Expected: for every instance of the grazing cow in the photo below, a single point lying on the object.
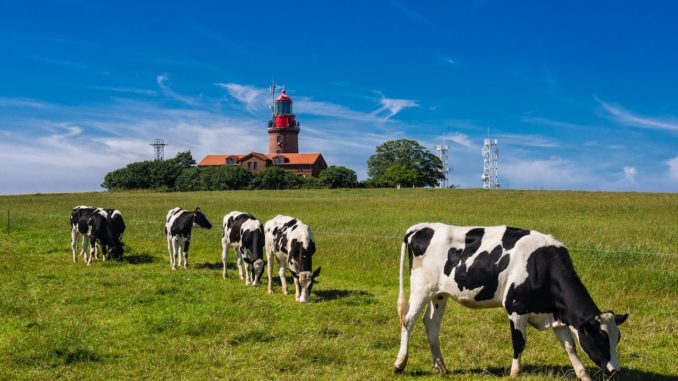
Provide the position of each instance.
(178, 226)
(84, 213)
(97, 228)
(529, 273)
(291, 242)
(246, 234)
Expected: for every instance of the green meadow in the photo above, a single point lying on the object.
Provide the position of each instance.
(137, 319)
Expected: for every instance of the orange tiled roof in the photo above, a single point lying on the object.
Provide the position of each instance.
(216, 159)
(298, 158)
(292, 158)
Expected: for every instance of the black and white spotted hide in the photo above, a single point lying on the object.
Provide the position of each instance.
(178, 226)
(246, 234)
(528, 273)
(79, 213)
(291, 242)
(97, 227)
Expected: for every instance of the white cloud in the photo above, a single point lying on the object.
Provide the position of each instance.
(630, 173)
(461, 139)
(526, 140)
(673, 168)
(393, 106)
(628, 118)
(163, 81)
(251, 97)
(552, 173)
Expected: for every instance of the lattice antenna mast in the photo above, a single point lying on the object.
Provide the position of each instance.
(490, 152)
(441, 153)
(159, 147)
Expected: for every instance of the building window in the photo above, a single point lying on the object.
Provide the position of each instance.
(279, 160)
(249, 164)
(279, 139)
(230, 161)
(255, 165)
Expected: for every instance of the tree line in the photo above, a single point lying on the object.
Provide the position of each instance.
(396, 163)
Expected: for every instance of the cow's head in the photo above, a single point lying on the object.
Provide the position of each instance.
(257, 267)
(306, 280)
(200, 219)
(599, 337)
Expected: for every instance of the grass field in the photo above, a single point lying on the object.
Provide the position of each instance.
(138, 319)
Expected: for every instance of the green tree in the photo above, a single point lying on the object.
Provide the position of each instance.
(225, 177)
(418, 166)
(398, 174)
(338, 177)
(275, 178)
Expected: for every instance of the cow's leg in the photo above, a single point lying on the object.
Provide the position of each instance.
(224, 255)
(269, 270)
(187, 244)
(180, 251)
(175, 249)
(248, 269)
(170, 250)
(421, 292)
(92, 251)
(283, 280)
(297, 289)
(83, 249)
(240, 263)
(74, 243)
(518, 337)
(432, 319)
(567, 342)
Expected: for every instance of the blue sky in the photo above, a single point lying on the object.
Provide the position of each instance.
(581, 95)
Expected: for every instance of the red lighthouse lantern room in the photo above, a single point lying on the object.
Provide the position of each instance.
(283, 129)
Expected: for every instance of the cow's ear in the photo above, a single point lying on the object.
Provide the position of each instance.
(619, 319)
(295, 275)
(197, 209)
(316, 272)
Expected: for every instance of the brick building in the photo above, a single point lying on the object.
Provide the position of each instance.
(283, 147)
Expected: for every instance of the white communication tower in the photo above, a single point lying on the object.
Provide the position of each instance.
(441, 152)
(490, 175)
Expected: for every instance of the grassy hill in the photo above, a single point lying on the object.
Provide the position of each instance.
(138, 319)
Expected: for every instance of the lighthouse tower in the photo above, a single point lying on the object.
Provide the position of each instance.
(283, 128)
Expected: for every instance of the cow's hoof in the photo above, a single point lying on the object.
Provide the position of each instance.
(441, 370)
(398, 370)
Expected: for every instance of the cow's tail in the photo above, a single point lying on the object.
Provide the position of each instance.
(402, 304)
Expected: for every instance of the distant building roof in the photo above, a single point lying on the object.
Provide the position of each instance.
(290, 158)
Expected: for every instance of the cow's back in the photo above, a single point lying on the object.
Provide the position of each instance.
(475, 265)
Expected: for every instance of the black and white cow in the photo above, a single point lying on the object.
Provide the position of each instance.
(78, 213)
(529, 273)
(96, 227)
(291, 242)
(82, 217)
(178, 226)
(246, 234)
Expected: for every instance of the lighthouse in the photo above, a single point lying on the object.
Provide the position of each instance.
(283, 128)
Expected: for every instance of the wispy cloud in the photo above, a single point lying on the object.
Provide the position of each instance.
(163, 83)
(527, 140)
(129, 90)
(673, 168)
(392, 106)
(461, 139)
(625, 117)
(22, 102)
(409, 12)
(550, 173)
(539, 121)
(630, 174)
(251, 97)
